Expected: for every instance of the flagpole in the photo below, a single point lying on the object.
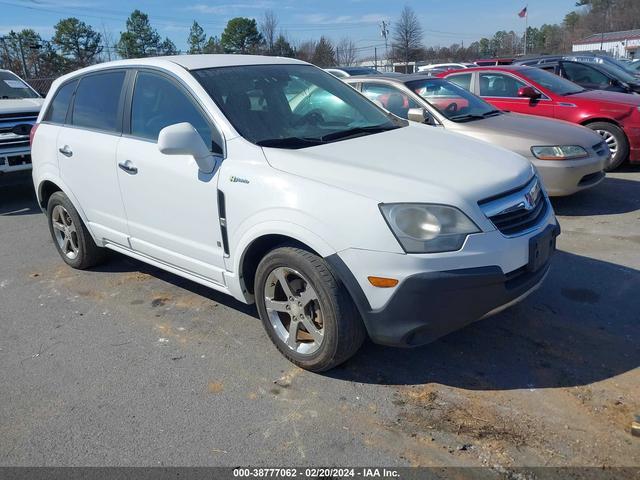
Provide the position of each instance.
(526, 27)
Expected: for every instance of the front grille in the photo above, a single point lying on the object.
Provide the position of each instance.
(601, 148)
(516, 212)
(14, 129)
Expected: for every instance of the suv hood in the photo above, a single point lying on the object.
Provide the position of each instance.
(416, 163)
(20, 105)
(519, 133)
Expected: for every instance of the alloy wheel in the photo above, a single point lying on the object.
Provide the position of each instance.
(611, 142)
(65, 232)
(294, 310)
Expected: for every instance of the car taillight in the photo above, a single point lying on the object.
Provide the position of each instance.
(32, 133)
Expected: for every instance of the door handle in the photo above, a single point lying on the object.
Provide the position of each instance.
(66, 151)
(128, 167)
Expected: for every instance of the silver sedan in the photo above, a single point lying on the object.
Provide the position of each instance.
(569, 157)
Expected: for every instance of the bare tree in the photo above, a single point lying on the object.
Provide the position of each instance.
(407, 36)
(268, 28)
(305, 50)
(346, 52)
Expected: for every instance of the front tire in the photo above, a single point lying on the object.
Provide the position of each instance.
(70, 235)
(305, 309)
(616, 141)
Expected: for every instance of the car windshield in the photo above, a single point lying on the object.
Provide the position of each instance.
(452, 101)
(12, 87)
(292, 106)
(552, 82)
(618, 72)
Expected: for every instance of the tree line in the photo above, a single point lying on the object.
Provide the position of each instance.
(591, 17)
(76, 44)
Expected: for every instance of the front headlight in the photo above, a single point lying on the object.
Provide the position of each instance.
(559, 152)
(425, 228)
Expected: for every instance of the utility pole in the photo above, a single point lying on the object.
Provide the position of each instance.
(375, 58)
(384, 31)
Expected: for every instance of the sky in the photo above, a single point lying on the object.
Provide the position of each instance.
(444, 21)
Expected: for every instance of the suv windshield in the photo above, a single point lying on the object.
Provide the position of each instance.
(452, 101)
(552, 82)
(292, 106)
(618, 72)
(12, 87)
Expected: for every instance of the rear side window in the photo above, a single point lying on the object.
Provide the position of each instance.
(463, 80)
(97, 101)
(57, 112)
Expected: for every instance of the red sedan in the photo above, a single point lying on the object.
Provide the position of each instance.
(615, 116)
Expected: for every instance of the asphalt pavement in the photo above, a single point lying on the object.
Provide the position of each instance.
(126, 365)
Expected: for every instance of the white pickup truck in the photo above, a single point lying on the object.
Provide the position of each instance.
(19, 108)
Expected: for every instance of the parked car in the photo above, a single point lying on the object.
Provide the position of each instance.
(521, 89)
(446, 66)
(487, 62)
(344, 72)
(337, 218)
(19, 107)
(583, 57)
(568, 157)
(594, 76)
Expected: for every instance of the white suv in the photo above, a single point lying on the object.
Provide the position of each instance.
(273, 181)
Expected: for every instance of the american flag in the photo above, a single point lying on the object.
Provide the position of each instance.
(523, 12)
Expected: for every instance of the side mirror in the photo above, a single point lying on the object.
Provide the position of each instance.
(420, 115)
(183, 139)
(528, 92)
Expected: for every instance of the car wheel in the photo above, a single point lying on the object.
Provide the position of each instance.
(615, 139)
(70, 236)
(305, 309)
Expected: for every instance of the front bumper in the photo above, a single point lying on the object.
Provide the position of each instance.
(564, 177)
(430, 304)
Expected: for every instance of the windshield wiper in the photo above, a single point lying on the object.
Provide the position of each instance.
(466, 117)
(356, 132)
(491, 113)
(290, 142)
(573, 93)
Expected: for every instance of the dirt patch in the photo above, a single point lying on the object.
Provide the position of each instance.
(215, 387)
(426, 409)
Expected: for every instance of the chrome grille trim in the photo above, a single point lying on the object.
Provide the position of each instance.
(519, 211)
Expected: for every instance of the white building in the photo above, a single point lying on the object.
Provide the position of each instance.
(624, 44)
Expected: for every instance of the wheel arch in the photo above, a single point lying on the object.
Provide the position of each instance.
(48, 185)
(588, 121)
(255, 245)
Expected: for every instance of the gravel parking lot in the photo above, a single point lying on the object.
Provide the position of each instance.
(129, 365)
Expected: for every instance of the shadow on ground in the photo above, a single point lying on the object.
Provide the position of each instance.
(17, 196)
(582, 326)
(612, 196)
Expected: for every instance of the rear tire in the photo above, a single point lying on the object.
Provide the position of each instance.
(616, 140)
(70, 235)
(312, 320)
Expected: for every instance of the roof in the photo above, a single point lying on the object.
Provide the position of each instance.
(194, 62)
(393, 78)
(610, 36)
